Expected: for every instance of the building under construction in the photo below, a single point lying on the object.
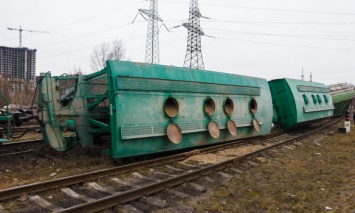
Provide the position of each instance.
(18, 63)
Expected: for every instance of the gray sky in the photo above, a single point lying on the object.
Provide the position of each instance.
(267, 39)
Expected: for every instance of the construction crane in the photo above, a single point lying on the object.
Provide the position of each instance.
(20, 30)
(20, 46)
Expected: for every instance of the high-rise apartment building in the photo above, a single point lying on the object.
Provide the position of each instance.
(18, 64)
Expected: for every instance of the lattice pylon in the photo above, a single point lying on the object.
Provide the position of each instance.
(152, 45)
(193, 58)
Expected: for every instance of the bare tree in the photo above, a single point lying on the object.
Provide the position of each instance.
(5, 88)
(24, 95)
(107, 51)
(76, 70)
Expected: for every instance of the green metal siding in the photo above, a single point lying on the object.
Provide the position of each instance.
(290, 105)
(342, 101)
(138, 92)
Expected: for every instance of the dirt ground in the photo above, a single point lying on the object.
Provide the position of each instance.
(45, 163)
(316, 176)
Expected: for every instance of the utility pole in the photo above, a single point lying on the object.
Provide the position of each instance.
(310, 78)
(19, 73)
(302, 76)
(152, 45)
(193, 58)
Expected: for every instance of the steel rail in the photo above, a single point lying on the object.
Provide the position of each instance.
(66, 181)
(22, 142)
(116, 199)
(17, 153)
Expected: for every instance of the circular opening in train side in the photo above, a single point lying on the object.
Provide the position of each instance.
(228, 106)
(306, 100)
(253, 106)
(209, 106)
(174, 133)
(325, 99)
(213, 129)
(314, 99)
(319, 99)
(232, 128)
(256, 125)
(171, 107)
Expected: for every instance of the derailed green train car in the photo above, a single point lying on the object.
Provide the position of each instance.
(153, 108)
(342, 96)
(297, 102)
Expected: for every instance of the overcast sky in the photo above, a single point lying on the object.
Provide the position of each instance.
(267, 39)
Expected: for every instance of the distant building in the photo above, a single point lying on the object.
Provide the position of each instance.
(18, 64)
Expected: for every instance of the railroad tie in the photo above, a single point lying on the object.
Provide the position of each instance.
(100, 188)
(45, 204)
(2, 210)
(236, 170)
(174, 169)
(124, 183)
(138, 175)
(75, 195)
(199, 188)
(163, 173)
(288, 147)
(126, 209)
(253, 163)
(189, 165)
(208, 179)
(177, 193)
(154, 201)
(225, 175)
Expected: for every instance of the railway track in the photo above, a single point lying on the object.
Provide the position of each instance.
(22, 129)
(18, 147)
(110, 190)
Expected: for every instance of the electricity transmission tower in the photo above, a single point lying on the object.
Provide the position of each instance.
(20, 47)
(193, 58)
(152, 46)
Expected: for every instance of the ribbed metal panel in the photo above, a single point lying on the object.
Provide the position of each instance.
(144, 131)
(129, 83)
(317, 108)
(343, 96)
(302, 88)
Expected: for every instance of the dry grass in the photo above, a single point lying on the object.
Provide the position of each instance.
(315, 175)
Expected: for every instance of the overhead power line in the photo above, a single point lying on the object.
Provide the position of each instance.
(271, 9)
(88, 18)
(279, 22)
(93, 33)
(282, 35)
(287, 45)
(95, 16)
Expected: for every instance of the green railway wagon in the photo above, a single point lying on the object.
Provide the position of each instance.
(6, 120)
(297, 102)
(147, 109)
(342, 96)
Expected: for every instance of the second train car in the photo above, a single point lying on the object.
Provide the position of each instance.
(297, 102)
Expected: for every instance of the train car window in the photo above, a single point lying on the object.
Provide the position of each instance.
(171, 107)
(306, 100)
(314, 99)
(319, 99)
(326, 99)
